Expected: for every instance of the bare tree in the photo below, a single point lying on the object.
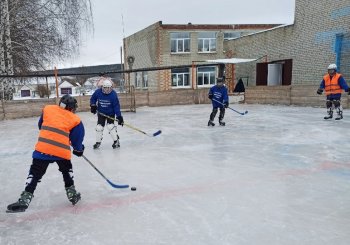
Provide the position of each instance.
(35, 34)
(43, 90)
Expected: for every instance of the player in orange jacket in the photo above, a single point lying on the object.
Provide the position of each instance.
(333, 83)
(60, 129)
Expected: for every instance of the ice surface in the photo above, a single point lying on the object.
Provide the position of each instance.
(278, 175)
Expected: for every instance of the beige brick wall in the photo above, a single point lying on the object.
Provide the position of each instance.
(309, 42)
(144, 46)
(299, 95)
(151, 48)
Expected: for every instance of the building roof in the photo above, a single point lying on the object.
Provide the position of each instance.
(191, 26)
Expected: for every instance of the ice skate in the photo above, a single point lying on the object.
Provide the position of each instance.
(97, 145)
(72, 194)
(222, 123)
(210, 123)
(339, 115)
(329, 115)
(22, 204)
(116, 143)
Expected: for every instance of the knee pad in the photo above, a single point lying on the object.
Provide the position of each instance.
(110, 127)
(329, 104)
(336, 103)
(99, 128)
(112, 131)
(99, 133)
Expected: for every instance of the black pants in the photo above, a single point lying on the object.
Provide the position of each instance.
(38, 169)
(102, 120)
(214, 111)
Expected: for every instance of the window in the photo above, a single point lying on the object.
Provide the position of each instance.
(180, 42)
(145, 79)
(138, 81)
(141, 79)
(180, 78)
(25, 93)
(66, 90)
(231, 35)
(206, 76)
(207, 42)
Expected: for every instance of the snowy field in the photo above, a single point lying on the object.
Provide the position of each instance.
(276, 176)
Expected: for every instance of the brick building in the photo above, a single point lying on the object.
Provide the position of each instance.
(161, 45)
(301, 51)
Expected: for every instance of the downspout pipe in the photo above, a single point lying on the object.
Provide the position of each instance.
(337, 48)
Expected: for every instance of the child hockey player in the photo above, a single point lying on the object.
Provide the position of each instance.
(218, 95)
(105, 100)
(59, 128)
(333, 83)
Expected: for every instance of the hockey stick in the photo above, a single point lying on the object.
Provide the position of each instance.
(132, 127)
(109, 182)
(242, 113)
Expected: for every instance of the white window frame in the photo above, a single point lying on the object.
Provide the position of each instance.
(181, 41)
(138, 80)
(207, 73)
(145, 79)
(207, 42)
(180, 75)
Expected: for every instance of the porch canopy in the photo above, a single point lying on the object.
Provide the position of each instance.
(231, 61)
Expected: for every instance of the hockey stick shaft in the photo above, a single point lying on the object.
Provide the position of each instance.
(98, 171)
(132, 127)
(242, 113)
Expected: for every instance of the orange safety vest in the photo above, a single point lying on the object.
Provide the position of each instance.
(54, 132)
(332, 85)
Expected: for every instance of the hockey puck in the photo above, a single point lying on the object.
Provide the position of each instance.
(133, 188)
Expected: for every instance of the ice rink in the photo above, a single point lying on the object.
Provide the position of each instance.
(277, 176)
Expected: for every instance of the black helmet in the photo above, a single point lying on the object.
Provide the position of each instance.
(68, 102)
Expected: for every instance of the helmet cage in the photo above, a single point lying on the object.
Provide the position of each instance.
(107, 86)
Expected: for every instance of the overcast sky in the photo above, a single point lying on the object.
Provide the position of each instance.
(115, 19)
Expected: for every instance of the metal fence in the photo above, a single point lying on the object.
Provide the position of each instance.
(37, 88)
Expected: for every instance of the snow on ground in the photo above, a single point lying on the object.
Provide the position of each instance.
(278, 175)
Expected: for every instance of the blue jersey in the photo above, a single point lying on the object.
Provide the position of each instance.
(106, 103)
(220, 94)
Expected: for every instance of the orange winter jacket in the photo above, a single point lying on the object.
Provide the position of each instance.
(54, 132)
(332, 85)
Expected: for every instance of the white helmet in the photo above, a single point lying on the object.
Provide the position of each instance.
(106, 86)
(332, 67)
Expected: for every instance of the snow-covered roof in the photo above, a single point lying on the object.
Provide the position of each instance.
(66, 84)
(26, 87)
(266, 30)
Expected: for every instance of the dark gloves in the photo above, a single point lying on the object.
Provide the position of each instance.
(79, 153)
(93, 109)
(348, 91)
(319, 91)
(210, 96)
(120, 120)
(226, 104)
